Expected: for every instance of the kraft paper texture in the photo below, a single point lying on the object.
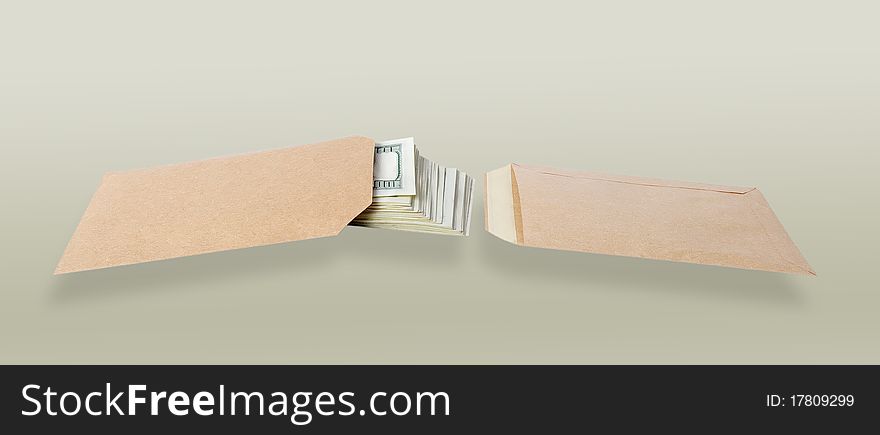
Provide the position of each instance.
(638, 217)
(224, 203)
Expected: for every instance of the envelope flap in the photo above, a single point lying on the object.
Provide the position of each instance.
(634, 180)
(223, 203)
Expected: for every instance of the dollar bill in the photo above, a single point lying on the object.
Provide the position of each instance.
(394, 170)
(412, 193)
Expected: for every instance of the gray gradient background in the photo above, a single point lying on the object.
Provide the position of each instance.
(780, 95)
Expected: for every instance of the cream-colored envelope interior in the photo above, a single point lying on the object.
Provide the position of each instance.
(499, 204)
(638, 217)
(223, 203)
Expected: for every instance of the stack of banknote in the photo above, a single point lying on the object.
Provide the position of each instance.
(412, 193)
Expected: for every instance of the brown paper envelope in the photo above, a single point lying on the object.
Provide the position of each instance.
(223, 203)
(638, 217)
